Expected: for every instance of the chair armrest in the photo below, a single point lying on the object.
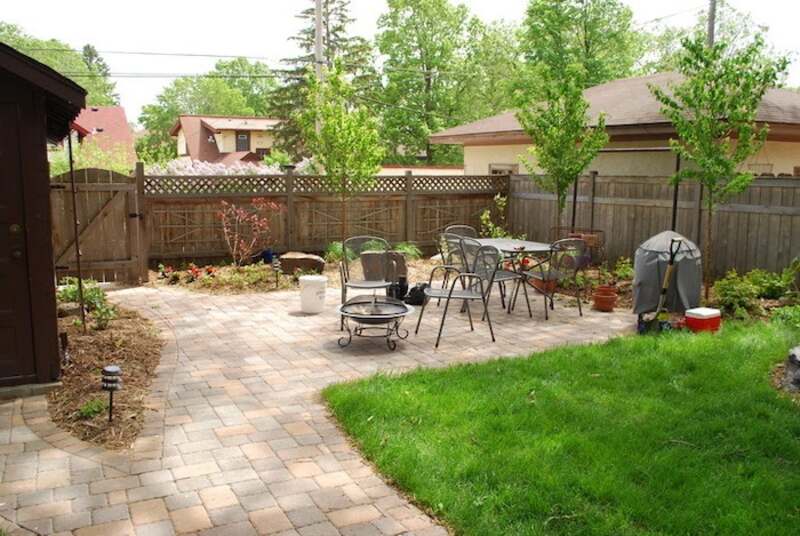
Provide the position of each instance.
(447, 269)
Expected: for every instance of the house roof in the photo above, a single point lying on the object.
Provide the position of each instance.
(108, 127)
(226, 122)
(629, 107)
(64, 97)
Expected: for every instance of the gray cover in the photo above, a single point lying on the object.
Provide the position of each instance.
(650, 266)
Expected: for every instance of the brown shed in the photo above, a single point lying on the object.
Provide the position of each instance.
(36, 105)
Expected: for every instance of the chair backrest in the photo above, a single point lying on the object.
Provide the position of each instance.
(469, 249)
(569, 255)
(462, 230)
(487, 261)
(451, 251)
(365, 257)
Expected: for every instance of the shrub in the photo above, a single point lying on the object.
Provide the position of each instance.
(103, 315)
(770, 285)
(624, 268)
(491, 228)
(737, 296)
(789, 315)
(411, 251)
(333, 253)
(92, 408)
(93, 296)
(246, 229)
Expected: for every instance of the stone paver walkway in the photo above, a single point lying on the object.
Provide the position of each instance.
(239, 441)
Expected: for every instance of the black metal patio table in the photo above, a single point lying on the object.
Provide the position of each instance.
(513, 248)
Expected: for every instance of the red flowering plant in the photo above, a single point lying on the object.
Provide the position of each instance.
(246, 229)
(193, 273)
(211, 271)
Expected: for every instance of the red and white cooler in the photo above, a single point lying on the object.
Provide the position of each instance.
(703, 319)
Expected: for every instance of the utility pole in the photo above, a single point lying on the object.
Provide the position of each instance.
(318, 57)
(712, 21)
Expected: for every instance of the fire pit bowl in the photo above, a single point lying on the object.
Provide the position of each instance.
(374, 316)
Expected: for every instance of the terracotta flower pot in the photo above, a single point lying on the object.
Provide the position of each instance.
(605, 298)
(547, 287)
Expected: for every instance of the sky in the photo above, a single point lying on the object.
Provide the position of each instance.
(262, 28)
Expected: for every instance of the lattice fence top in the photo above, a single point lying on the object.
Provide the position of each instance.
(194, 186)
(461, 184)
(200, 186)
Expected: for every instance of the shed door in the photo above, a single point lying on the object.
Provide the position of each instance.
(16, 339)
(242, 141)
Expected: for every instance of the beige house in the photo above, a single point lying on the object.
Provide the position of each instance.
(633, 121)
(225, 139)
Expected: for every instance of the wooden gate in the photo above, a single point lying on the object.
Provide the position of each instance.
(109, 226)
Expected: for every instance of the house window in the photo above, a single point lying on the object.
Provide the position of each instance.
(503, 169)
(243, 141)
(760, 169)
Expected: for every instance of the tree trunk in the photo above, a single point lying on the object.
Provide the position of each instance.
(707, 249)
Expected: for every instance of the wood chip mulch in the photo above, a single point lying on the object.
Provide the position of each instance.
(130, 341)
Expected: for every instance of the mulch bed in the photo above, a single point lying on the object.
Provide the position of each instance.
(133, 343)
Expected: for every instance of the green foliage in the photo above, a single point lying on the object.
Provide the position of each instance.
(770, 285)
(342, 135)
(442, 67)
(333, 253)
(789, 315)
(92, 408)
(495, 226)
(90, 155)
(678, 434)
(86, 68)
(736, 296)
(277, 157)
(355, 55)
(103, 315)
(409, 249)
(597, 35)
(94, 297)
(623, 269)
(203, 95)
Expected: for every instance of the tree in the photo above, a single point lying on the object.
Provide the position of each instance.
(92, 75)
(595, 34)
(235, 87)
(735, 28)
(442, 67)
(563, 142)
(714, 112)
(355, 57)
(342, 135)
(89, 154)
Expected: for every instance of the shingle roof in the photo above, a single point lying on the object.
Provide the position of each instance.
(626, 102)
(108, 127)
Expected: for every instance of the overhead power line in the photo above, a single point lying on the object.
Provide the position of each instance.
(696, 9)
(150, 53)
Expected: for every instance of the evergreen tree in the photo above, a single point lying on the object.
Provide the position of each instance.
(97, 65)
(354, 55)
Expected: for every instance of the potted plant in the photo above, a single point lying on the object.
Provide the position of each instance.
(605, 294)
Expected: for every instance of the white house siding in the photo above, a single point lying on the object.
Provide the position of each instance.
(226, 140)
(182, 144)
(782, 156)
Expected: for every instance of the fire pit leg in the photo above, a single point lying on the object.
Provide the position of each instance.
(345, 341)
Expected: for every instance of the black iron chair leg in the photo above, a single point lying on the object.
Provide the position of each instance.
(502, 294)
(469, 315)
(441, 324)
(527, 299)
(545, 307)
(421, 311)
(578, 294)
(488, 320)
(489, 295)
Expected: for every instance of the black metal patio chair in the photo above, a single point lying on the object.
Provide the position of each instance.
(462, 230)
(364, 265)
(567, 258)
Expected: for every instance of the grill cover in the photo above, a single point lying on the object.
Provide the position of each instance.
(650, 266)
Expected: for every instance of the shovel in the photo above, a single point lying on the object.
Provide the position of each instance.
(661, 315)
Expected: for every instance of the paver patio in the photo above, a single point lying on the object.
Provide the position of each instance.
(239, 440)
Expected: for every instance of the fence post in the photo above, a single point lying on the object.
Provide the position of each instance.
(410, 212)
(142, 224)
(289, 209)
(593, 178)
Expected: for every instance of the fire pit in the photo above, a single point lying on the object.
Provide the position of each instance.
(374, 316)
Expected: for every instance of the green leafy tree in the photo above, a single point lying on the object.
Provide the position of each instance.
(596, 34)
(714, 113)
(342, 134)
(354, 55)
(87, 68)
(442, 67)
(90, 155)
(213, 95)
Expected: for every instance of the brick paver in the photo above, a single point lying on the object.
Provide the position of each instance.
(238, 440)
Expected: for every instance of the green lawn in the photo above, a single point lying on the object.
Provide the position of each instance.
(678, 434)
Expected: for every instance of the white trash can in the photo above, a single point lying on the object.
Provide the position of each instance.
(312, 293)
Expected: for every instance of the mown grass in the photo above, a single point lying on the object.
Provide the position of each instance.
(677, 434)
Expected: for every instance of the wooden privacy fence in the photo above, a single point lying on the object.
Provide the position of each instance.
(182, 222)
(759, 228)
(109, 229)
